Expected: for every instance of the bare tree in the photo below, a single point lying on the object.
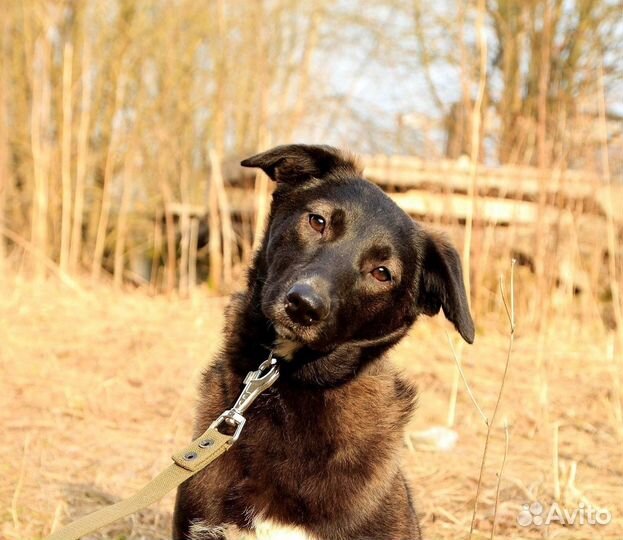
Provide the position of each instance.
(192, 86)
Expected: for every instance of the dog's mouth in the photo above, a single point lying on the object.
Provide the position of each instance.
(292, 331)
(295, 335)
(286, 343)
(283, 332)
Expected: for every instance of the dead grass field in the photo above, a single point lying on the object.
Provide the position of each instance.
(97, 390)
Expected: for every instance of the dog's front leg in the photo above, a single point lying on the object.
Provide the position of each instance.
(195, 521)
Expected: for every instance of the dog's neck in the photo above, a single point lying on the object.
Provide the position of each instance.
(253, 337)
(285, 348)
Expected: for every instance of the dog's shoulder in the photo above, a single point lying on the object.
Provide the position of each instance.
(381, 393)
(405, 392)
(235, 308)
(391, 379)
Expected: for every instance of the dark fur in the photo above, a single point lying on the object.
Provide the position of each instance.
(320, 448)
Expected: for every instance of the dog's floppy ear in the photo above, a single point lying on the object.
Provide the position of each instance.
(441, 284)
(294, 163)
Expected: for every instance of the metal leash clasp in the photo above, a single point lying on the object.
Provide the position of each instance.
(255, 383)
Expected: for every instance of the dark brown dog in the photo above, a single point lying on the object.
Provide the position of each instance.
(341, 276)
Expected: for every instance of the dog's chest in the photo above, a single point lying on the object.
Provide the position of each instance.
(269, 530)
(300, 449)
(263, 530)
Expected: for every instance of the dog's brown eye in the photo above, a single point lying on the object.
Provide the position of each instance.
(318, 223)
(381, 274)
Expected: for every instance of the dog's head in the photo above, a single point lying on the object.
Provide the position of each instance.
(343, 262)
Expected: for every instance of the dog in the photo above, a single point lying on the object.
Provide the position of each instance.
(340, 277)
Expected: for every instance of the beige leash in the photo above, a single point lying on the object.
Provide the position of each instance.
(186, 463)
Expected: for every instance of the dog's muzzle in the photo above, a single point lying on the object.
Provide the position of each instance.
(306, 305)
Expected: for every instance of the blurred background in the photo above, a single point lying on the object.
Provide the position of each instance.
(125, 220)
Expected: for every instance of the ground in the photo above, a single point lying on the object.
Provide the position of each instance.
(97, 390)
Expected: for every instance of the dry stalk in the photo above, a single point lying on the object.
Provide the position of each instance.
(556, 462)
(40, 120)
(81, 160)
(227, 230)
(304, 70)
(192, 254)
(41, 259)
(497, 489)
(4, 151)
(167, 197)
(19, 485)
(184, 223)
(122, 220)
(617, 394)
(475, 144)
(68, 58)
(611, 230)
(543, 161)
(467, 387)
(156, 256)
(102, 225)
(454, 392)
(542, 379)
(214, 240)
(260, 195)
(510, 312)
(56, 519)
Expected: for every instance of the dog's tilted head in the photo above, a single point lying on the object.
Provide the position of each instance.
(342, 262)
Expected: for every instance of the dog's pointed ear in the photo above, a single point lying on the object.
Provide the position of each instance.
(441, 284)
(295, 163)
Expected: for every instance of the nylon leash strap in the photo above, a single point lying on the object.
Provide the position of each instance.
(186, 463)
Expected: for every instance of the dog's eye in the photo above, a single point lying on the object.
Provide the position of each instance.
(381, 274)
(318, 223)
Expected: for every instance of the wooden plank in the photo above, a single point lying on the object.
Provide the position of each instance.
(463, 164)
(182, 209)
(403, 171)
(420, 203)
(241, 201)
(508, 181)
(431, 204)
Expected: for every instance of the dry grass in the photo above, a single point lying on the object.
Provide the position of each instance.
(97, 390)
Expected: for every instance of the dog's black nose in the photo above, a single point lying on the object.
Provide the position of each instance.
(305, 305)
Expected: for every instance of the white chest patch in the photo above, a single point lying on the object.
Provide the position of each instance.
(264, 530)
(269, 530)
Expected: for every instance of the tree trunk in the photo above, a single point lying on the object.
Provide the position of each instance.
(40, 120)
(5, 180)
(102, 227)
(81, 159)
(225, 213)
(68, 55)
(122, 221)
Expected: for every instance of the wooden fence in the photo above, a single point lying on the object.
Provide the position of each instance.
(527, 202)
(439, 190)
(504, 195)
